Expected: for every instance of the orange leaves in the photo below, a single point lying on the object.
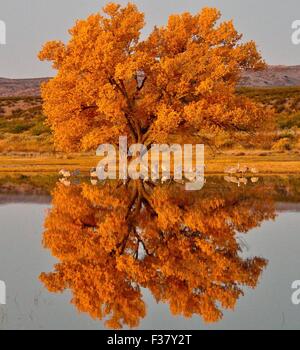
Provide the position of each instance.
(112, 240)
(90, 68)
(111, 9)
(125, 22)
(180, 80)
(167, 122)
(207, 19)
(53, 51)
(177, 34)
(100, 136)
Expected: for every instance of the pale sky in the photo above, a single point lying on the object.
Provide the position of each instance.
(30, 23)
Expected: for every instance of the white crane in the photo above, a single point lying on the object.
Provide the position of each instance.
(65, 173)
(93, 173)
(165, 178)
(65, 182)
(94, 182)
(243, 181)
(242, 169)
(253, 170)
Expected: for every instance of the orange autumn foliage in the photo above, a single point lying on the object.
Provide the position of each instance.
(181, 80)
(113, 240)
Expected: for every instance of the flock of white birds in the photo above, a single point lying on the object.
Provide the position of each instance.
(190, 174)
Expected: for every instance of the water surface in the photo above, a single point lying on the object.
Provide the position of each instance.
(149, 257)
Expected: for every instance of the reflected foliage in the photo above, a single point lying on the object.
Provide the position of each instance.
(113, 240)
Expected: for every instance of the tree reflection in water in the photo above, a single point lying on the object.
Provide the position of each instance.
(112, 240)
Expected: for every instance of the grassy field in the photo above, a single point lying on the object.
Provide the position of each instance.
(286, 103)
(265, 162)
(26, 143)
(23, 127)
(283, 99)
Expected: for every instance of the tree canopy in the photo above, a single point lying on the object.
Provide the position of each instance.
(181, 80)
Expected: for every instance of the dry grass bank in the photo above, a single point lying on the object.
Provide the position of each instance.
(265, 162)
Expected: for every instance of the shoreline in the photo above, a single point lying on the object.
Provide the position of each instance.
(266, 164)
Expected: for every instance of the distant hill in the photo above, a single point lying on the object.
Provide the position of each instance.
(272, 77)
(20, 87)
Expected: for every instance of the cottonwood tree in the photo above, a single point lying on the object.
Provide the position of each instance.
(177, 84)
